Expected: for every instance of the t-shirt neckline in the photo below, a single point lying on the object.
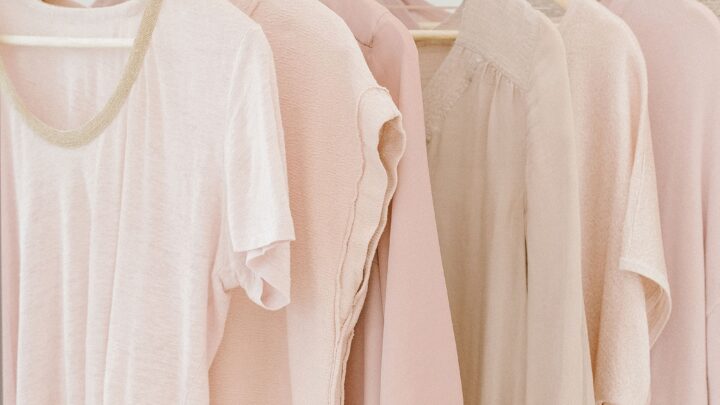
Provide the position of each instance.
(91, 129)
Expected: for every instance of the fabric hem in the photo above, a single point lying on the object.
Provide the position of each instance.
(658, 301)
(266, 274)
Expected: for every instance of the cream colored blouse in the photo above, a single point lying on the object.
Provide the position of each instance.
(627, 297)
(503, 169)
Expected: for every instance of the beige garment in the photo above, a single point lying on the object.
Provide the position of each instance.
(627, 298)
(343, 140)
(404, 350)
(504, 175)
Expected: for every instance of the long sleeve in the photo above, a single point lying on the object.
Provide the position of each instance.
(557, 346)
(406, 311)
(416, 311)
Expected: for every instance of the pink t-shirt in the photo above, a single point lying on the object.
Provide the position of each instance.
(120, 239)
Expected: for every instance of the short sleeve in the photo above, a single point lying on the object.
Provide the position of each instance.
(642, 250)
(254, 247)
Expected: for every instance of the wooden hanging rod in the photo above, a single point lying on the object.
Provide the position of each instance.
(66, 42)
(439, 37)
(419, 7)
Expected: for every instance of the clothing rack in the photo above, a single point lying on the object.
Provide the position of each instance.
(66, 42)
(435, 37)
(418, 7)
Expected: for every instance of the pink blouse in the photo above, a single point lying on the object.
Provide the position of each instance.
(404, 347)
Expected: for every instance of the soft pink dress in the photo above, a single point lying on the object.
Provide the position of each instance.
(681, 43)
(344, 141)
(627, 300)
(406, 312)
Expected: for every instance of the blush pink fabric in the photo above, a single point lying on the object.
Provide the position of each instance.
(344, 140)
(681, 43)
(404, 349)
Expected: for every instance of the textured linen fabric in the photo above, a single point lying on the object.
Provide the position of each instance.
(627, 300)
(406, 311)
(116, 255)
(344, 140)
(681, 44)
(503, 170)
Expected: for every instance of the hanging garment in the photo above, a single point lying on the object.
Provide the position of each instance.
(503, 170)
(122, 230)
(406, 311)
(627, 299)
(344, 141)
(681, 44)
